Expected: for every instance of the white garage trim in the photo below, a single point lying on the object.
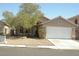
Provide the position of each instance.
(58, 32)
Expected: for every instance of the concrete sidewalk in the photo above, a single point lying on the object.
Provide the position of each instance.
(50, 47)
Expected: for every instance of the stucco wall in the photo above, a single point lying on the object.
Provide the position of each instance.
(6, 30)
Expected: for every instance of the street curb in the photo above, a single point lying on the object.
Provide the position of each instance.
(6, 45)
(50, 47)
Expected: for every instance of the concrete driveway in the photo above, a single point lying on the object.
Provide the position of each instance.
(65, 44)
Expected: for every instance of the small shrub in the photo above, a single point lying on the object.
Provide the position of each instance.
(41, 33)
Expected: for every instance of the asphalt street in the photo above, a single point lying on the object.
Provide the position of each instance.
(16, 51)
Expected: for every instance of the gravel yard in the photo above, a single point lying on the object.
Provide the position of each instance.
(29, 41)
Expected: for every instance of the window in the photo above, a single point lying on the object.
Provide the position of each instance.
(5, 31)
(76, 21)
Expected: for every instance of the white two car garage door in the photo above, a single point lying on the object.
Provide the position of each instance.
(58, 32)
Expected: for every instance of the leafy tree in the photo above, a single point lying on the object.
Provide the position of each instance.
(8, 17)
(29, 15)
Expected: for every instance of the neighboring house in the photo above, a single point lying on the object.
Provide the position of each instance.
(75, 20)
(58, 28)
(4, 28)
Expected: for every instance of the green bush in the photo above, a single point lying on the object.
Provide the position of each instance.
(41, 33)
(1, 33)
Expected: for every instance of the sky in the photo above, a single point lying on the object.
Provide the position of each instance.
(50, 10)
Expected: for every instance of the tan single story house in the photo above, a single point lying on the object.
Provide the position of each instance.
(58, 28)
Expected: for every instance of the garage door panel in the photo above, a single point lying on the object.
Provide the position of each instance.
(58, 32)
